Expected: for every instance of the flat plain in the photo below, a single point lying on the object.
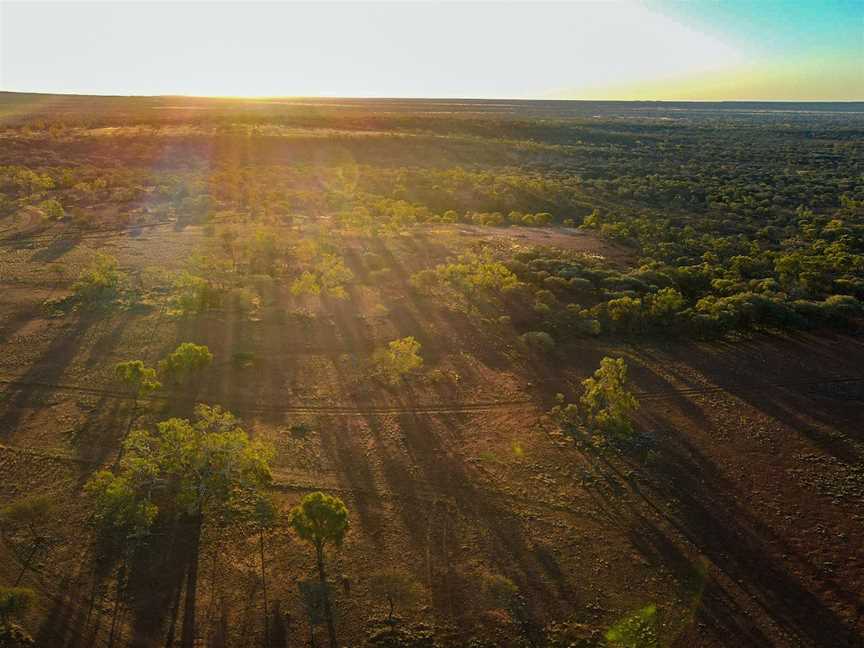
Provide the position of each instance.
(733, 515)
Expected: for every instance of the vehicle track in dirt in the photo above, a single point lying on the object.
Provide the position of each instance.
(79, 235)
(432, 408)
(282, 483)
(441, 408)
(685, 391)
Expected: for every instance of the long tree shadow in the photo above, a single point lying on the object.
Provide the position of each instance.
(45, 372)
(343, 449)
(156, 581)
(738, 543)
(504, 538)
(57, 248)
(702, 597)
(764, 374)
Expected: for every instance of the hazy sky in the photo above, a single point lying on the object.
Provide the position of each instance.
(656, 49)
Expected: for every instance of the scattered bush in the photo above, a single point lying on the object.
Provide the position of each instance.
(394, 588)
(400, 358)
(139, 379)
(185, 362)
(100, 283)
(51, 209)
(603, 411)
(539, 341)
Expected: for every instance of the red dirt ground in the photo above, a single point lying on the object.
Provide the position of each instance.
(742, 523)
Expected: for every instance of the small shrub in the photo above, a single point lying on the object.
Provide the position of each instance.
(51, 209)
(101, 282)
(401, 357)
(190, 293)
(137, 377)
(538, 341)
(243, 300)
(14, 604)
(243, 359)
(185, 361)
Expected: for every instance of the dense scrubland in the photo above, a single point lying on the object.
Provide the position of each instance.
(418, 373)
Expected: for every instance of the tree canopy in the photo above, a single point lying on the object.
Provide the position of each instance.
(320, 519)
(207, 465)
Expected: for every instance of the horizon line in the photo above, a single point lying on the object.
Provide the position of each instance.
(110, 95)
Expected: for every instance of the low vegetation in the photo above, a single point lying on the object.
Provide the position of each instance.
(603, 412)
(399, 359)
(185, 363)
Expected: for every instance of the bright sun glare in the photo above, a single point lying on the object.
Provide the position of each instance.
(486, 50)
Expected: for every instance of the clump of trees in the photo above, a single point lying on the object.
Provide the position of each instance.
(212, 282)
(51, 209)
(204, 472)
(397, 360)
(195, 294)
(569, 295)
(181, 366)
(328, 275)
(230, 269)
(473, 283)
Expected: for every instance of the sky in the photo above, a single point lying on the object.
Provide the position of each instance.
(649, 49)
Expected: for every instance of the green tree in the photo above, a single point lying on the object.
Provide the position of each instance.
(399, 358)
(625, 313)
(606, 402)
(333, 275)
(186, 361)
(603, 410)
(665, 304)
(306, 284)
(201, 470)
(124, 512)
(123, 502)
(321, 520)
(100, 282)
(139, 380)
(328, 275)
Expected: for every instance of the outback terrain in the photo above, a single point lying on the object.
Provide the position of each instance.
(718, 249)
